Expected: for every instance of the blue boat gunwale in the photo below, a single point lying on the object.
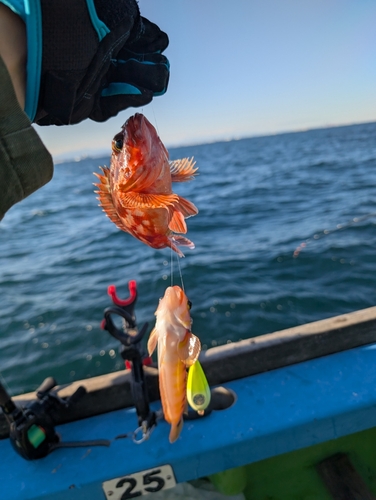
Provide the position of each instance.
(226, 363)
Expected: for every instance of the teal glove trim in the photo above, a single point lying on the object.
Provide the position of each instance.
(125, 88)
(162, 92)
(17, 6)
(137, 59)
(34, 56)
(30, 13)
(120, 89)
(98, 25)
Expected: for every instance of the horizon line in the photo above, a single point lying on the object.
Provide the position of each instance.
(81, 154)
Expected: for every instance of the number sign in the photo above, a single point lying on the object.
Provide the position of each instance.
(140, 483)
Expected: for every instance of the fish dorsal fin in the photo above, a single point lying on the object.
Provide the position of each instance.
(152, 342)
(177, 222)
(142, 200)
(183, 170)
(189, 349)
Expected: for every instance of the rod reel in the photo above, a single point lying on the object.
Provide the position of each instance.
(32, 427)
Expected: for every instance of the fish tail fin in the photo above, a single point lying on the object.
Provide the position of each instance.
(175, 431)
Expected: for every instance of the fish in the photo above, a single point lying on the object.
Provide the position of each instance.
(136, 193)
(178, 349)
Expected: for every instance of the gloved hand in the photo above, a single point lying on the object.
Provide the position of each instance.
(90, 59)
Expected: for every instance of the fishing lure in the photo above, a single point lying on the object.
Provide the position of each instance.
(198, 390)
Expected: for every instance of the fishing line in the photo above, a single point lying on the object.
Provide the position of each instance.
(155, 118)
(180, 273)
(157, 129)
(171, 252)
(171, 266)
(326, 232)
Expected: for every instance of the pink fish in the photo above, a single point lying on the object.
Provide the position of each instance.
(136, 191)
(178, 349)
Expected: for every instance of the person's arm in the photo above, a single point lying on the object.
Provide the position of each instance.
(25, 164)
(13, 49)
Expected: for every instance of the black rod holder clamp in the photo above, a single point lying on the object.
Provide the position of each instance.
(132, 350)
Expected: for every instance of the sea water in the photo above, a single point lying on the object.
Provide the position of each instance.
(285, 235)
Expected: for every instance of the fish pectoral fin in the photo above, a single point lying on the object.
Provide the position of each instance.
(142, 200)
(152, 342)
(183, 170)
(189, 349)
(140, 180)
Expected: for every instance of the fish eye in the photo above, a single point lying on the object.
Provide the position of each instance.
(117, 144)
(189, 305)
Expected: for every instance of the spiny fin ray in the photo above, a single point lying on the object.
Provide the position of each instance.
(177, 222)
(105, 198)
(183, 170)
(142, 200)
(187, 208)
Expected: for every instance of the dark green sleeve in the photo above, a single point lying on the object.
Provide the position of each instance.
(25, 163)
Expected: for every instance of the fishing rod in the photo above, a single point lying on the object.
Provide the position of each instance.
(32, 427)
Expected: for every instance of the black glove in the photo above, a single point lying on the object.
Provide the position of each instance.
(98, 57)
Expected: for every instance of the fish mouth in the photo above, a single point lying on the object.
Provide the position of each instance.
(136, 124)
(134, 121)
(138, 131)
(186, 325)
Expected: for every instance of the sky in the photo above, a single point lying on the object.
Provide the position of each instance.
(250, 67)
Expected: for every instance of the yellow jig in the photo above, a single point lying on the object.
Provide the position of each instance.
(198, 390)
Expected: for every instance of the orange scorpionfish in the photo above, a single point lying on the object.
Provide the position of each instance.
(178, 349)
(136, 191)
